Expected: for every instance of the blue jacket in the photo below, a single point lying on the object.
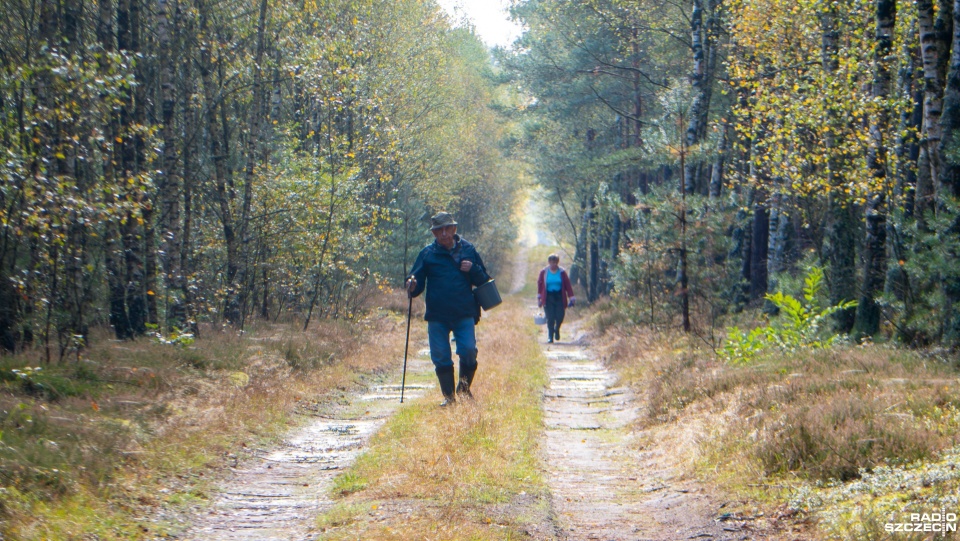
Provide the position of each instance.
(450, 291)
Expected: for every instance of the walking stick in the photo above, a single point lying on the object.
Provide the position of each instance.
(406, 347)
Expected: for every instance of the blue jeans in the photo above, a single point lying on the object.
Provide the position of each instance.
(439, 335)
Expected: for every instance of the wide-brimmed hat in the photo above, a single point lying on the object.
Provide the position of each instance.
(442, 219)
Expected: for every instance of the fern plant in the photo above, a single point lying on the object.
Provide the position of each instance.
(741, 347)
(800, 325)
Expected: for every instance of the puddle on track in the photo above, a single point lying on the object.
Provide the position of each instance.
(278, 496)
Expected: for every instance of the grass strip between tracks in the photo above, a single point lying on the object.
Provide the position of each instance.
(468, 472)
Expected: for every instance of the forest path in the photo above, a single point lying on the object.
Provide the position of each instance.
(609, 480)
(278, 495)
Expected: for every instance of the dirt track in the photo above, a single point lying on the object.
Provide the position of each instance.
(279, 494)
(603, 485)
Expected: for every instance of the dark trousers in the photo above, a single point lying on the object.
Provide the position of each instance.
(555, 309)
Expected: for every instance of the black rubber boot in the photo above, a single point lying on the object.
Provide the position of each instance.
(445, 375)
(468, 367)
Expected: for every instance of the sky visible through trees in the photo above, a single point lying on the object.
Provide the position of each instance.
(490, 19)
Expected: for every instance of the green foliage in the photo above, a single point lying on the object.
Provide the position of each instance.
(56, 184)
(29, 378)
(349, 483)
(50, 384)
(802, 324)
(304, 146)
(177, 337)
(793, 97)
(647, 269)
(920, 300)
(809, 118)
(581, 61)
(741, 347)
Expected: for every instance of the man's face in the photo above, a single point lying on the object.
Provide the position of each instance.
(444, 235)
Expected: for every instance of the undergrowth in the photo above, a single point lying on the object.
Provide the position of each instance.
(87, 446)
(801, 324)
(850, 436)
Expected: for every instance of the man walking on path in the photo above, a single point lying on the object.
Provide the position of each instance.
(452, 267)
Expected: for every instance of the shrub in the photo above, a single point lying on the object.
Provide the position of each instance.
(800, 326)
(839, 437)
(647, 269)
(919, 300)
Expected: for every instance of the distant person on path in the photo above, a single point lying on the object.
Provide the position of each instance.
(448, 268)
(554, 294)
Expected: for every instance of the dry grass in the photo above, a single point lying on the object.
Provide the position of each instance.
(791, 423)
(817, 414)
(454, 473)
(85, 447)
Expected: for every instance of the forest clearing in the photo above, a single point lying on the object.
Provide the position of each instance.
(210, 211)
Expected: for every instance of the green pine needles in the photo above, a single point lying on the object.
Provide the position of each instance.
(801, 325)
